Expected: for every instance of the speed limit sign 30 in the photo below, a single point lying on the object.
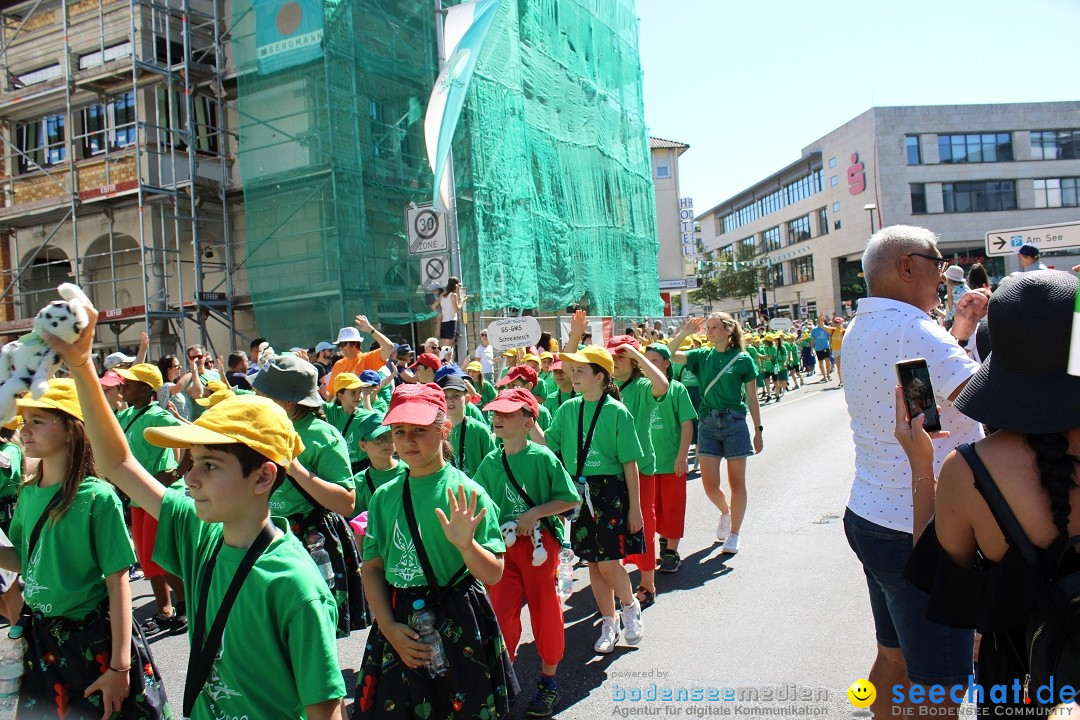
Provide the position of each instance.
(426, 229)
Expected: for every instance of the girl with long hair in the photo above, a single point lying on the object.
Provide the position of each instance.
(85, 657)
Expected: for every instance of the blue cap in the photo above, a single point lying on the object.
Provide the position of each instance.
(370, 377)
(325, 346)
(451, 369)
(403, 348)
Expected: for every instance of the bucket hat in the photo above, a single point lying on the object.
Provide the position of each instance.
(291, 379)
(1010, 390)
(954, 273)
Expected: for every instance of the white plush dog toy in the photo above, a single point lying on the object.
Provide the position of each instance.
(28, 363)
(509, 533)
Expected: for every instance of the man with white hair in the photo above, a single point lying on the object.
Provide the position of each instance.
(903, 266)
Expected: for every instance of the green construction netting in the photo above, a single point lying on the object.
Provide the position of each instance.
(555, 194)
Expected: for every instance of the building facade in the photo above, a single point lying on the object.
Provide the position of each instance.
(959, 170)
(676, 267)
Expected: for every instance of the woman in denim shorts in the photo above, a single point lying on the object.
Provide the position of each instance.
(728, 378)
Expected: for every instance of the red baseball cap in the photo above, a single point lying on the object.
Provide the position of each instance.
(508, 401)
(111, 379)
(618, 340)
(427, 360)
(415, 404)
(555, 365)
(523, 372)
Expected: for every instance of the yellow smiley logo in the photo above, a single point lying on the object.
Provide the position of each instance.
(862, 693)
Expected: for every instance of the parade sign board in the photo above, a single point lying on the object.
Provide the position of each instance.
(780, 324)
(514, 332)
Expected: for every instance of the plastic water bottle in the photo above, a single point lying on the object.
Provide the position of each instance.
(315, 544)
(423, 622)
(564, 579)
(12, 654)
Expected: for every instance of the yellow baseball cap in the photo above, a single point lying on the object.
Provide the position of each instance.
(474, 367)
(250, 420)
(591, 354)
(546, 356)
(144, 373)
(221, 391)
(531, 358)
(60, 395)
(346, 381)
(13, 423)
(510, 352)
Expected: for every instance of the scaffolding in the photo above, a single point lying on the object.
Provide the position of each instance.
(127, 126)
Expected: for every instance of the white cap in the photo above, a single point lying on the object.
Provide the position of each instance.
(117, 358)
(348, 334)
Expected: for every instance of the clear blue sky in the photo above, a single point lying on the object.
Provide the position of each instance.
(748, 84)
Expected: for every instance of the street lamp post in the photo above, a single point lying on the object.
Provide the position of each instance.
(870, 208)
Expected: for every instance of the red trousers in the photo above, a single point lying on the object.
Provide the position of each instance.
(647, 559)
(524, 582)
(670, 505)
(144, 533)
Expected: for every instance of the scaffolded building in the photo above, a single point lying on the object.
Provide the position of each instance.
(214, 170)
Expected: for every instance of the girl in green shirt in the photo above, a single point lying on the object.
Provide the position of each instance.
(344, 413)
(85, 657)
(432, 537)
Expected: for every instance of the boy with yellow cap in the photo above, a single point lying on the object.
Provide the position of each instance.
(141, 384)
(280, 614)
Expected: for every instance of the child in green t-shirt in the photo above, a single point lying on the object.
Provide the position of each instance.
(526, 378)
(530, 486)
(283, 618)
(470, 439)
(84, 655)
(378, 445)
(432, 538)
(344, 412)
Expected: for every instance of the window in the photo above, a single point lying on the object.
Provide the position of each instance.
(798, 229)
(38, 76)
(770, 239)
(93, 141)
(802, 269)
(918, 198)
(823, 221)
(984, 196)
(41, 142)
(205, 121)
(832, 162)
(746, 249)
(663, 170)
(836, 207)
(914, 157)
(99, 58)
(115, 120)
(1056, 192)
(1055, 145)
(833, 180)
(774, 276)
(975, 148)
(791, 193)
(122, 112)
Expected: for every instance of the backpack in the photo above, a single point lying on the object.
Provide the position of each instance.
(1052, 635)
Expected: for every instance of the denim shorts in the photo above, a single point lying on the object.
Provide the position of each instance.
(724, 434)
(934, 654)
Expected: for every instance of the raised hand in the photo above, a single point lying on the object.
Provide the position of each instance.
(460, 527)
(362, 323)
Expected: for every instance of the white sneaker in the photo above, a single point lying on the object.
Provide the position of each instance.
(731, 545)
(609, 636)
(724, 528)
(633, 623)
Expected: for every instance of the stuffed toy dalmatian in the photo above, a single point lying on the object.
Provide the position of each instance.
(28, 363)
(509, 533)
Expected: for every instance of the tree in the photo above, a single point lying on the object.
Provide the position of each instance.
(729, 274)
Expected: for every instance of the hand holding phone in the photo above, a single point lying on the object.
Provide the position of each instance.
(914, 378)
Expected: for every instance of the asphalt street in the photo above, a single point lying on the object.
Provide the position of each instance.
(783, 627)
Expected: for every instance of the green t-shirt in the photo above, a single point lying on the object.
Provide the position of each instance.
(487, 392)
(556, 398)
(638, 398)
(792, 353)
(544, 418)
(687, 378)
(727, 393)
(478, 443)
(381, 401)
(378, 479)
(336, 416)
(66, 575)
(279, 649)
(615, 440)
(668, 415)
(11, 477)
(539, 473)
(767, 357)
(324, 456)
(471, 410)
(388, 535)
(154, 459)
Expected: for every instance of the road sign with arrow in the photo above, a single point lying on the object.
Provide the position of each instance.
(1065, 236)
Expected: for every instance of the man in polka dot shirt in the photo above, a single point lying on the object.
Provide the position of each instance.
(902, 266)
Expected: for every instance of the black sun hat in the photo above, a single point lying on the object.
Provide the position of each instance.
(1024, 385)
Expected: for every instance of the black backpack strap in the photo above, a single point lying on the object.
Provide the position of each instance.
(418, 543)
(54, 503)
(1004, 515)
(306, 495)
(136, 418)
(547, 522)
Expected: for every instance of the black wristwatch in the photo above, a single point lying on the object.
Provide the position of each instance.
(963, 343)
(761, 428)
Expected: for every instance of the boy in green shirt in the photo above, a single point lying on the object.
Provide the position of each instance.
(470, 439)
(524, 376)
(524, 467)
(378, 445)
(283, 618)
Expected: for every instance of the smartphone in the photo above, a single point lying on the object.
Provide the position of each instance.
(914, 377)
